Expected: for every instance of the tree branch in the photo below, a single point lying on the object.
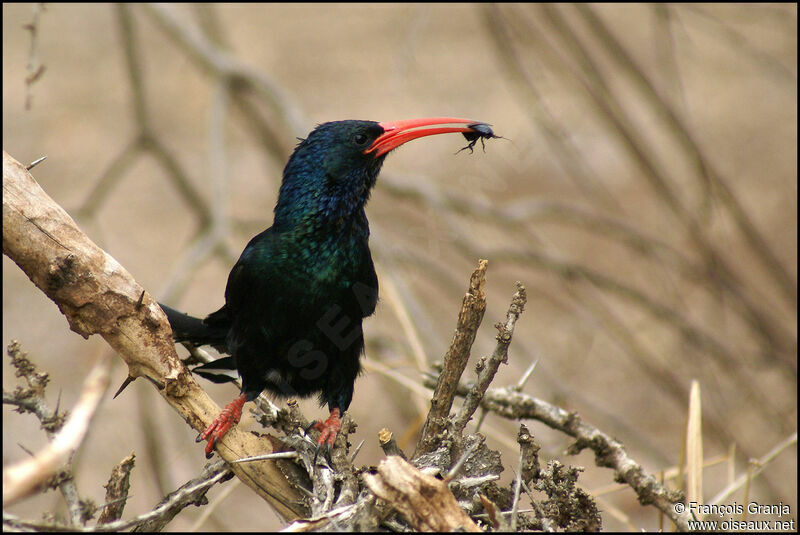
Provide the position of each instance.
(500, 356)
(469, 319)
(425, 501)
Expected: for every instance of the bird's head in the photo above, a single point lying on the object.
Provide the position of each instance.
(331, 172)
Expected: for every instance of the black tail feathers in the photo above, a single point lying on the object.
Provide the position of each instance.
(211, 331)
(222, 370)
(186, 328)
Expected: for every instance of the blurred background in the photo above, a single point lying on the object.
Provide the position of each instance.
(645, 193)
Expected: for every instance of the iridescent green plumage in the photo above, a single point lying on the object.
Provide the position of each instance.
(295, 300)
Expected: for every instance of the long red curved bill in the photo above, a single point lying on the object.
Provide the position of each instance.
(398, 132)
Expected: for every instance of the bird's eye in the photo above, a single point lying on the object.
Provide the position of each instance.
(360, 139)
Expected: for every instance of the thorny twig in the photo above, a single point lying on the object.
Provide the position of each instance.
(22, 478)
(31, 399)
(191, 493)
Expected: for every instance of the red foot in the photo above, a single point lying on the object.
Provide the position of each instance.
(229, 417)
(329, 428)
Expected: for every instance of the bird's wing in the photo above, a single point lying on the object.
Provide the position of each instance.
(365, 288)
(250, 279)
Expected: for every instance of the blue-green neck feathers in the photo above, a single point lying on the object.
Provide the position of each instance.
(328, 179)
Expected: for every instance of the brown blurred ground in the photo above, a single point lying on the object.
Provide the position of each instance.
(730, 71)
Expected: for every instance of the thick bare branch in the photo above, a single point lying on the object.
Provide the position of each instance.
(469, 319)
(426, 502)
(117, 490)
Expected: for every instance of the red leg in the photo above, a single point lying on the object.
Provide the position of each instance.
(329, 428)
(229, 417)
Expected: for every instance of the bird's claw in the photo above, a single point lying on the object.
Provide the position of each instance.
(319, 448)
(213, 433)
(328, 429)
(229, 417)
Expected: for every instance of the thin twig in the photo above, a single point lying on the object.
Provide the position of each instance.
(389, 444)
(217, 61)
(525, 376)
(269, 456)
(761, 463)
(500, 356)
(34, 67)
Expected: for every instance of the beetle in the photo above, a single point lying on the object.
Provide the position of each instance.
(480, 131)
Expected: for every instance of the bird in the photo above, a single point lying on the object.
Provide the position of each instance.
(296, 298)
